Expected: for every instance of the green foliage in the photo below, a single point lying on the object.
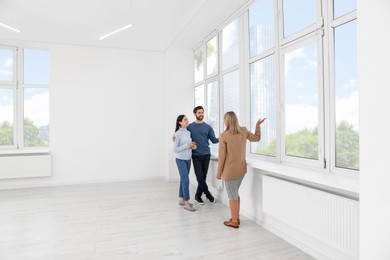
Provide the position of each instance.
(32, 137)
(269, 150)
(198, 54)
(303, 143)
(32, 134)
(347, 146)
(6, 133)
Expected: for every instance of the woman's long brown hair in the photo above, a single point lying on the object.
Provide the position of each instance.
(232, 123)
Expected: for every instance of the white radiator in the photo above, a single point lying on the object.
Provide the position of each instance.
(212, 174)
(25, 166)
(327, 217)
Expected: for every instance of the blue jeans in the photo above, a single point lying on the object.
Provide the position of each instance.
(184, 170)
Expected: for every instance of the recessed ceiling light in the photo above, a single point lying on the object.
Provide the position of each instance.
(9, 27)
(116, 31)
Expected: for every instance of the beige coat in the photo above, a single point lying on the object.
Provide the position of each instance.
(232, 152)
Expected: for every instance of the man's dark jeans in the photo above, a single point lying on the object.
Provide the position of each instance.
(201, 166)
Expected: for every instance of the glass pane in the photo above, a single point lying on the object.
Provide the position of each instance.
(199, 64)
(298, 15)
(6, 117)
(213, 106)
(261, 27)
(36, 67)
(199, 96)
(347, 97)
(6, 65)
(231, 93)
(36, 117)
(263, 104)
(212, 56)
(230, 45)
(342, 7)
(301, 102)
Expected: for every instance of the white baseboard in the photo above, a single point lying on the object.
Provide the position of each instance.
(56, 184)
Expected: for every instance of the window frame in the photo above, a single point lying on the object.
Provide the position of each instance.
(321, 32)
(12, 85)
(314, 37)
(209, 38)
(215, 79)
(19, 89)
(248, 62)
(332, 23)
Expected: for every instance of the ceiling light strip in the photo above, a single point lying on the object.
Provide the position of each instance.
(10, 28)
(116, 31)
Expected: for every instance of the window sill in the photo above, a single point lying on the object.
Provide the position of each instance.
(337, 184)
(24, 152)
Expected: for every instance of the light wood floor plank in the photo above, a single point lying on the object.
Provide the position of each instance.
(127, 220)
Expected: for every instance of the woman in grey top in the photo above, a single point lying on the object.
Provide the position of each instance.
(183, 147)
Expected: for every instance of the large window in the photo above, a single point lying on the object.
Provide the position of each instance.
(231, 92)
(263, 104)
(298, 15)
(230, 73)
(199, 96)
(261, 27)
(7, 113)
(199, 63)
(342, 7)
(213, 106)
(295, 63)
(301, 102)
(230, 45)
(206, 80)
(346, 92)
(24, 98)
(262, 76)
(212, 56)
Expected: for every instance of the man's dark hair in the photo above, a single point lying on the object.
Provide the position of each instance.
(198, 108)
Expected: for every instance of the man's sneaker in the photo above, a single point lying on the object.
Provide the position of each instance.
(211, 198)
(199, 201)
(189, 207)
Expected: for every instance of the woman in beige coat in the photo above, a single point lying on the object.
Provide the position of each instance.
(231, 161)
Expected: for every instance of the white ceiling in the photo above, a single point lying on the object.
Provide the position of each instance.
(157, 24)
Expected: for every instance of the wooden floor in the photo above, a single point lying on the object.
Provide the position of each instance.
(128, 220)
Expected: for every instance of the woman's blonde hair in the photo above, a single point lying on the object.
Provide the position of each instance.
(231, 121)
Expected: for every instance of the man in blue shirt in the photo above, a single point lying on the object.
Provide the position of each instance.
(201, 133)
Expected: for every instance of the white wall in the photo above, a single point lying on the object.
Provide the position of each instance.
(179, 99)
(374, 57)
(106, 116)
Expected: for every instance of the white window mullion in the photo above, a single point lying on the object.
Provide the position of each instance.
(246, 99)
(20, 99)
(328, 105)
(242, 71)
(278, 23)
(321, 95)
